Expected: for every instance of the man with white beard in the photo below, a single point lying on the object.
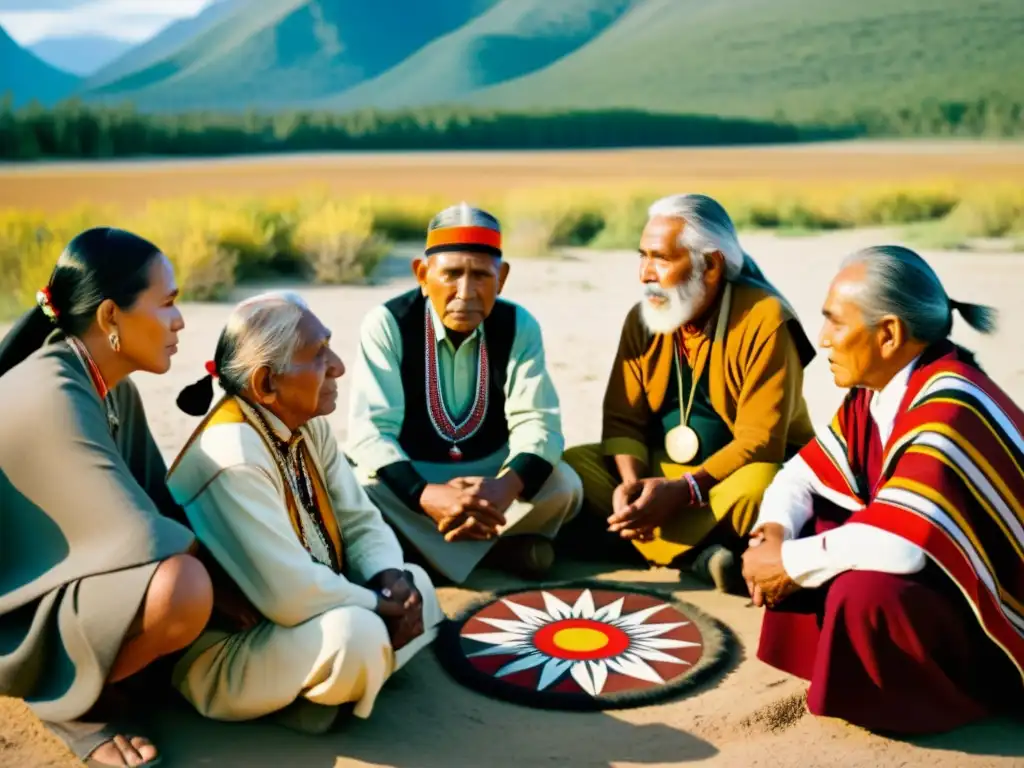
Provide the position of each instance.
(703, 405)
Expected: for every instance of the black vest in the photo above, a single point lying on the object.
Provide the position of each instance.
(418, 437)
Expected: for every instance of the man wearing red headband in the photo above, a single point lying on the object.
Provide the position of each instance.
(454, 421)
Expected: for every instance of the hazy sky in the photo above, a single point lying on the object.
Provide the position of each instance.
(30, 20)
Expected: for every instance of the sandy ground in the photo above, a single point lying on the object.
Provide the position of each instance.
(131, 183)
(754, 716)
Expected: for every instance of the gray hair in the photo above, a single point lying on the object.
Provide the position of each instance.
(261, 332)
(899, 282)
(708, 228)
(464, 215)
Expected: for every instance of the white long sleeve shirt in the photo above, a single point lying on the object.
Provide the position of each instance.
(234, 497)
(789, 500)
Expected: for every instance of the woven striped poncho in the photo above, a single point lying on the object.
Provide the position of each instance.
(952, 482)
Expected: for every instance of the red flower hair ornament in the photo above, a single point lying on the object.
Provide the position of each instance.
(45, 302)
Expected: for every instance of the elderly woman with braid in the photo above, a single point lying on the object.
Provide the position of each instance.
(96, 576)
(327, 607)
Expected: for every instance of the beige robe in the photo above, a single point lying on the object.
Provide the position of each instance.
(320, 638)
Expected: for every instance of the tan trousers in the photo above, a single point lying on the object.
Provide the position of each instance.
(555, 503)
(343, 655)
(734, 503)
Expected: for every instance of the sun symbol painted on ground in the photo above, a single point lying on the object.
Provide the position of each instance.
(586, 643)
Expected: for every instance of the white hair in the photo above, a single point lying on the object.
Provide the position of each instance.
(708, 228)
(262, 331)
(898, 282)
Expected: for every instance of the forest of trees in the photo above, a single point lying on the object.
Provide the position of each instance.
(76, 130)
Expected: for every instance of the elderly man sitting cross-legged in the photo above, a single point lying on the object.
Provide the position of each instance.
(890, 552)
(454, 422)
(703, 403)
(274, 501)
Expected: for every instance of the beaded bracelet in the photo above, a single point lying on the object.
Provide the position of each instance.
(695, 494)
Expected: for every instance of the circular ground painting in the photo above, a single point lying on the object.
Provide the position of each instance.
(589, 646)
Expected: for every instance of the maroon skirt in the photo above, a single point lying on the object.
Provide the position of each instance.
(899, 654)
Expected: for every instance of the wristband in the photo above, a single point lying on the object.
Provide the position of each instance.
(695, 494)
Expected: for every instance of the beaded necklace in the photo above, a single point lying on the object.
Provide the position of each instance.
(444, 425)
(291, 463)
(98, 382)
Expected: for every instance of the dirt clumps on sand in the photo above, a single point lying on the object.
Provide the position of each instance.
(777, 716)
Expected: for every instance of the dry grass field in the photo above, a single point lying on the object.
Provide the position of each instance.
(53, 186)
(333, 217)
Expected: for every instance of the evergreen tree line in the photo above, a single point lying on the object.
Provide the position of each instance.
(76, 130)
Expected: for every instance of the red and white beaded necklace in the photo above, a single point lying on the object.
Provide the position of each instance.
(443, 423)
(98, 382)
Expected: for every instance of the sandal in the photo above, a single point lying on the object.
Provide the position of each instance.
(83, 739)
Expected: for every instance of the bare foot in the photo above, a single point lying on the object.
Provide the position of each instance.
(124, 751)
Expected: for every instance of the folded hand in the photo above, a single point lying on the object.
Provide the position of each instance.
(644, 505)
(460, 513)
(400, 605)
(501, 492)
(766, 577)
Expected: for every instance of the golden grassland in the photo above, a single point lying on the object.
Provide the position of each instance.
(331, 217)
(456, 175)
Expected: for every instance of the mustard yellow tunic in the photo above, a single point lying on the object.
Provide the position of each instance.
(753, 377)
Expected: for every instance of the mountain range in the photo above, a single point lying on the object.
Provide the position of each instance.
(165, 43)
(80, 55)
(24, 76)
(280, 53)
(745, 58)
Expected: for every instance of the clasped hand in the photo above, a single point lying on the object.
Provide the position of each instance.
(400, 605)
(470, 508)
(767, 580)
(641, 506)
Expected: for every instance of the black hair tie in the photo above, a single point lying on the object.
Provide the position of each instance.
(195, 399)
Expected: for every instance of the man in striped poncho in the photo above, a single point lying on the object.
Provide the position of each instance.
(890, 551)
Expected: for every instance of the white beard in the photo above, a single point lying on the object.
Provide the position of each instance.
(682, 304)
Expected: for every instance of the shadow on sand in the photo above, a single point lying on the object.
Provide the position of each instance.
(1003, 737)
(423, 720)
